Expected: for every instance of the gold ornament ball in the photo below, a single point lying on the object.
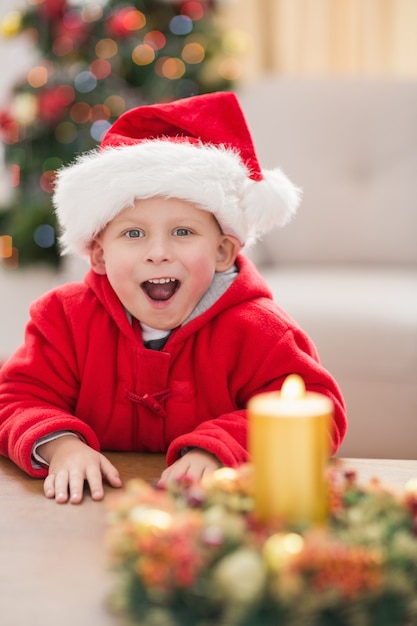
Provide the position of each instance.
(280, 548)
(11, 24)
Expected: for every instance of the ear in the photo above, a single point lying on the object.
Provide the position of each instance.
(97, 262)
(227, 252)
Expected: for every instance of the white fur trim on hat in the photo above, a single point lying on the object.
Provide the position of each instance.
(90, 192)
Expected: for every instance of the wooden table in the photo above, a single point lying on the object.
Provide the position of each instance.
(53, 569)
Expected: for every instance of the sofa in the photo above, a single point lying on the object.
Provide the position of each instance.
(346, 266)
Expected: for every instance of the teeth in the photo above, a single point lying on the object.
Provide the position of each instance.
(161, 281)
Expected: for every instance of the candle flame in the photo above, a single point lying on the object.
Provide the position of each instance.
(293, 388)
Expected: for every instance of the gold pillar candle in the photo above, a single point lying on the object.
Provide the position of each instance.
(289, 445)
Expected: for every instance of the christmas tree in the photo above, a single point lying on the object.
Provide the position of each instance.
(94, 60)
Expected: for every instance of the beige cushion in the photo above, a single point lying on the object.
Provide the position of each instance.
(346, 267)
(362, 320)
(364, 324)
(351, 144)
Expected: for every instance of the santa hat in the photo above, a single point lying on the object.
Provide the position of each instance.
(197, 149)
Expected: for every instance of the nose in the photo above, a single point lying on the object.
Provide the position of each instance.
(158, 250)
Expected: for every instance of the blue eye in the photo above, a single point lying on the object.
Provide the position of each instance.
(182, 232)
(133, 233)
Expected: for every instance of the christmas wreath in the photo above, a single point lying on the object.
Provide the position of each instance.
(196, 555)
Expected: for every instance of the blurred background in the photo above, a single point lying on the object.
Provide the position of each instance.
(329, 88)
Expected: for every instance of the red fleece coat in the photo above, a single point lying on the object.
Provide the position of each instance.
(83, 368)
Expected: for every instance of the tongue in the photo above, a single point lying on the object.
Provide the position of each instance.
(158, 291)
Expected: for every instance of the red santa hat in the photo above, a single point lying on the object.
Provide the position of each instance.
(197, 149)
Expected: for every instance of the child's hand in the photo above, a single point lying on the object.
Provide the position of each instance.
(193, 465)
(71, 462)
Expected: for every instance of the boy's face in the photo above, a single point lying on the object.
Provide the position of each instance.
(160, 257)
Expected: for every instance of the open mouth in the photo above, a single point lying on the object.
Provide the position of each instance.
(160, 288)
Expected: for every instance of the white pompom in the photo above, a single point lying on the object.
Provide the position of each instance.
(269, 203)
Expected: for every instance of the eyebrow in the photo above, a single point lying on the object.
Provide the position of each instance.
(181, 220)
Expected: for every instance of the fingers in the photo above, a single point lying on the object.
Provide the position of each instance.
(192, 466)
(171, 474)
(94, 477)
(110, 473)
(56, 486)
(68, 485)
(95, 484)
(49, 486)
(65, 486)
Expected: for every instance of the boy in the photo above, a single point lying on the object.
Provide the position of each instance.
(173, 330)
